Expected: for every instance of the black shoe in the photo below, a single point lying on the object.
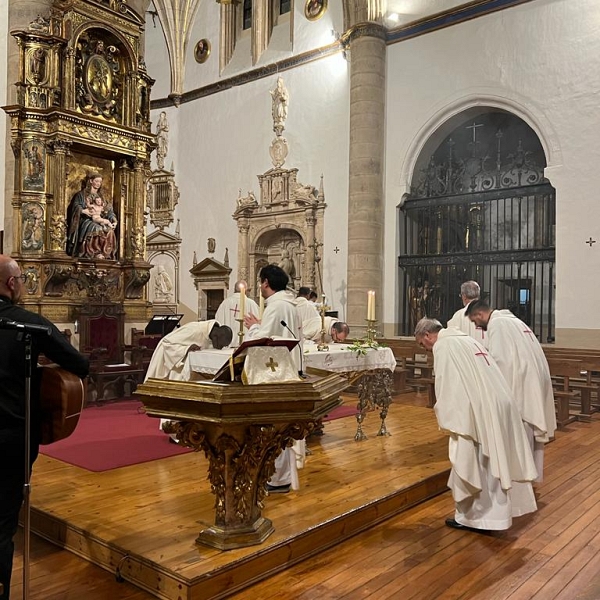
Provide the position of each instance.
(456, 525)
(173, 440)
(278, 489)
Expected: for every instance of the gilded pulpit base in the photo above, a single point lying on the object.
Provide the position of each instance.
(241, 461)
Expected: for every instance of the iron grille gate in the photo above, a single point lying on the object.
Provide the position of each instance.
(501, 238)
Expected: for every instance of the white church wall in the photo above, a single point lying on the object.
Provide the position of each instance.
(222, 145)
(157, 57)
(540, 60)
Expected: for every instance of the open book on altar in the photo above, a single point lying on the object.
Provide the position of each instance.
(232, 369)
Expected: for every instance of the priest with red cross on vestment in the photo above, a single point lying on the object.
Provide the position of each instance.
(523, 363)
(229, 311)
(492, 463)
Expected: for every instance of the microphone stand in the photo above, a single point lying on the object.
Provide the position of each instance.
(27, 483)
(301, 371)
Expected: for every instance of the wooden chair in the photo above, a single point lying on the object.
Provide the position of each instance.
(101, 338)
(142, 347)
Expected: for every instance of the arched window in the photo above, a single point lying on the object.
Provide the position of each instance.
(479, 208)
(247, 15)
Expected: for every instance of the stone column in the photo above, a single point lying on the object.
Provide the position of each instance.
(243, 256)
(309, 274)
(366, 200)
(227, 38)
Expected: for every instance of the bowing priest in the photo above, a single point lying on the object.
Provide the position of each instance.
(469, 292)
(335, 330)
(169, 358)
(228, 312)
(523, 363)
(280, 319)
(492, 464)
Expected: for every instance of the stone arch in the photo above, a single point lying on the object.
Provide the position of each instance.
(444, 118)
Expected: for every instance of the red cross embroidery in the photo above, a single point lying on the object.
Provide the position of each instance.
(235, 311)
(528, 331)
(482, 353)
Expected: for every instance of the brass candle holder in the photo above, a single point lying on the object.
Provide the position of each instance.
(322, 345)
(241, 331)
(371, 330)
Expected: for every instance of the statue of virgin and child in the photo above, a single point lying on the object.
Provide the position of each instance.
(91, 223)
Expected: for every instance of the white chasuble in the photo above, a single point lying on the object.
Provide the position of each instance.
(488, 444)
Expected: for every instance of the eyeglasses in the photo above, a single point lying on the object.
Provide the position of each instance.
(22, 277)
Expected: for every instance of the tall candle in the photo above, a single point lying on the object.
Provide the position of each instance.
(261, 307)
(242, 301)
(371, 305)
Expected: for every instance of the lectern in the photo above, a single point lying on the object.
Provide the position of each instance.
(241, 429)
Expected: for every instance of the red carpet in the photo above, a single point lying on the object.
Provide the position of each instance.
(340, 412)
(118, 434)
(112, 436)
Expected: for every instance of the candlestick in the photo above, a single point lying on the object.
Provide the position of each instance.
(261, 307)
(322, 346)
(241, 331)
(243, 301)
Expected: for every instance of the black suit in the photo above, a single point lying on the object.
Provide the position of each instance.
(12, 416)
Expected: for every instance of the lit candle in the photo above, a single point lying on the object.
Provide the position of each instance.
(371, 305)
(261, 307)
(242, 301)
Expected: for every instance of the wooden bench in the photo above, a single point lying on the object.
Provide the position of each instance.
(562, 372)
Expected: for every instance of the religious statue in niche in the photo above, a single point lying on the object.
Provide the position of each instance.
(32, 216)
(91, 223)
(162, 140)
(98, 76)
(37, 65)
(163, 286)
(34, 157)
(287, 264)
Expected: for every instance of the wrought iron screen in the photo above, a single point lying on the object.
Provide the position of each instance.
(490, 220)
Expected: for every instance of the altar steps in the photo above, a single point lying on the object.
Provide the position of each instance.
(143, 520)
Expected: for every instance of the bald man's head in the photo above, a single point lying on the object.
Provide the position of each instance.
(11, 284)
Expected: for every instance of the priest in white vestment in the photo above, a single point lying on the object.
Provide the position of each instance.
(469, 292)
(229, 310)
(306, 310)
(280, 320)
(492, 464)
(523, 363)
(169, 358)
(335, 330)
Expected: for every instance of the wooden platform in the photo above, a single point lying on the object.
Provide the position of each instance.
(143, 520)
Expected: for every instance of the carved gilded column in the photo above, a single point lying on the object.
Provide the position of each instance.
(228, 32)
(243, 255)
(366, 176)
(58, 219)
(137, 218)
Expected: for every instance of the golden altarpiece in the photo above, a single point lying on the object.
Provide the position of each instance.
(83, 98)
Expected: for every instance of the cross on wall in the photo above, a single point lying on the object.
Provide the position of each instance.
(590, 241)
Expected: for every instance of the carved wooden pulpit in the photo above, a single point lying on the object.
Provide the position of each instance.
(242, 429)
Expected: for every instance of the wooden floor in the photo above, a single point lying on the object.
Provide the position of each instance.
(553, 554)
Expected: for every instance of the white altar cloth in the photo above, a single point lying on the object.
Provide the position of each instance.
(337, 359)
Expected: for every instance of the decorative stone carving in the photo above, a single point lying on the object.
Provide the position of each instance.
(32, 227)
(284, 226)
(162, 140)
(163, 196)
